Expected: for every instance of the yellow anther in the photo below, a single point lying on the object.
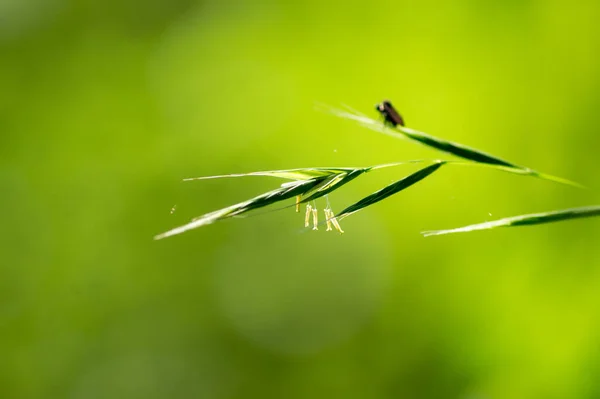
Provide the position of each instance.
(335, 222)
(307, 216)
(297, 203)
(337, 225)
(327, 220)
(315, 219)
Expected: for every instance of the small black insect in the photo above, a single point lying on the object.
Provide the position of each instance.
(390, 114)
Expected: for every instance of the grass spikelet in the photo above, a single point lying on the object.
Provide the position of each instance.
(307, 185)
(286, 191)
(524, 220)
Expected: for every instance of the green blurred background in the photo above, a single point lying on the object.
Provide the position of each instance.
(106, 106)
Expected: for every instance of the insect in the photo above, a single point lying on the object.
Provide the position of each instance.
(390, 114)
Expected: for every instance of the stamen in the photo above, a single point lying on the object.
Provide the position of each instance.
(327, 216)
(337, 225)
(315, 219)
(307, 216)
(335, 222)
(297, 203)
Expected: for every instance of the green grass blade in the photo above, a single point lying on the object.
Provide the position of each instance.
(390, 190)
(456, 149)
(524, 220)
(556, 179)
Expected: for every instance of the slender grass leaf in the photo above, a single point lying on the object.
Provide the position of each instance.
(398, 131)
(524, 220)
(457, 149)
(390, 190)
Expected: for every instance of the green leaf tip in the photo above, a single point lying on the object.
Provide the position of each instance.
(524, 220)
(391, 189)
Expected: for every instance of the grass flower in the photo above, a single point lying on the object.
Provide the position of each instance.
(308, 184)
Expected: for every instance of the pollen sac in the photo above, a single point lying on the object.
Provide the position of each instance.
(307, 215)
(297, 203)
(336, 224)
(331, 219)
(315, 219)
(328, 215)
